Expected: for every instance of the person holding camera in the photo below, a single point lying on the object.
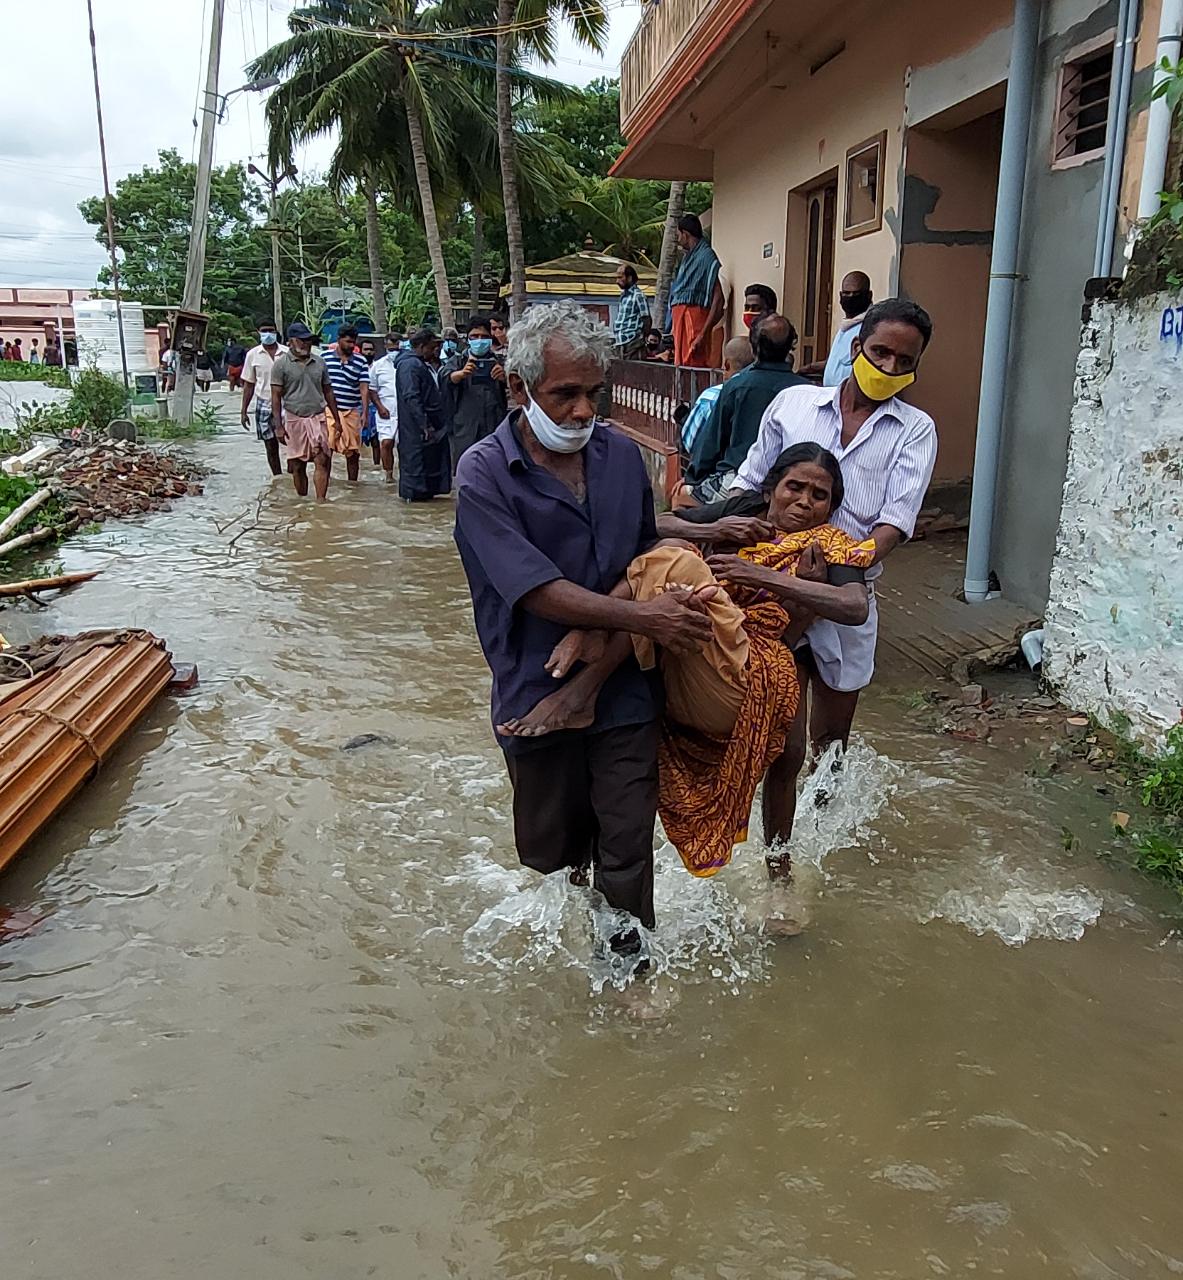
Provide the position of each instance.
(477, 380)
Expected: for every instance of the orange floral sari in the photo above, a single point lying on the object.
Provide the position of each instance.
(707, 782)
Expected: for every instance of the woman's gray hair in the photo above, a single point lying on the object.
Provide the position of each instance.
(565, 323)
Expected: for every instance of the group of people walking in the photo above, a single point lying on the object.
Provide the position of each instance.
(425, 400)
(14, 350)
(645, 663)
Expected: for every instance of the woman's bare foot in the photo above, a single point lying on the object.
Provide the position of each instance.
(570, 707)
(576, 646)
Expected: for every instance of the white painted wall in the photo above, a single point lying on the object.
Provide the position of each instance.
(1115, 615)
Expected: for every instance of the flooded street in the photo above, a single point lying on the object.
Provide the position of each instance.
(296, 1011)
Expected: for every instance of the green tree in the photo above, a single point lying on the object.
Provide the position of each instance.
(153, 212)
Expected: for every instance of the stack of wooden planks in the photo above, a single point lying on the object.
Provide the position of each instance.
(59, 723)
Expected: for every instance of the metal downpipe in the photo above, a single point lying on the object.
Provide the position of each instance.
(1012, 172)
(1121, 86)
(1158, 126)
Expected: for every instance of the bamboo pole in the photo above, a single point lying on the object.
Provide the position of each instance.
(25, 540)
(45, 584)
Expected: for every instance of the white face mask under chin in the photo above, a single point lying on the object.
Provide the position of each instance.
(553, 437)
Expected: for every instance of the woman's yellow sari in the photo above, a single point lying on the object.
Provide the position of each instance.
(707, 783)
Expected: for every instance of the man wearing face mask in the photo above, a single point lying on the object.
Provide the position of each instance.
(886, 449)
(551, 509)
(256, 384)
(758, 301)
(855, 298)
(477, 383)
(300, 393)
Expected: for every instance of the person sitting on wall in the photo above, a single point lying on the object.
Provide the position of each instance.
(696, 298)
(734, 423)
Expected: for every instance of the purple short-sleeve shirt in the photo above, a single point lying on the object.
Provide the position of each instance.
(518, 528)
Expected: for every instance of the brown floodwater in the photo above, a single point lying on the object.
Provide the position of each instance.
(295, 1011)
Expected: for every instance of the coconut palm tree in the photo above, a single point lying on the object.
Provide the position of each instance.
(628, 217)
(675, 207)
(344, 68)
(529, 28)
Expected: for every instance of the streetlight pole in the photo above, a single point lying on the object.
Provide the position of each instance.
(273, 180)
(211, 107)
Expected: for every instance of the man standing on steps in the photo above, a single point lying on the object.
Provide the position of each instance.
(350, 375)
(256, 385)
(550, 510)
(300, 391)
(696, 298)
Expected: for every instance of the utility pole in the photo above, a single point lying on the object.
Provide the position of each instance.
(98, 109)
(211, 109)
(276, 292)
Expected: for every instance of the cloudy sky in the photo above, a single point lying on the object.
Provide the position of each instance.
(151, 63)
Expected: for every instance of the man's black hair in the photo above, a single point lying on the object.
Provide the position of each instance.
(773, 338)
(423, 336)
(630, 272)
(689, 222)
(347, 331)
(900, 310)
(267, 324)
(478, 321)
(766, 295)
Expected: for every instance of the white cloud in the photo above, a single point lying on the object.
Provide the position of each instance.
(151, 63)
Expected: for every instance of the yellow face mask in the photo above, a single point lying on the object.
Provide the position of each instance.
(874, 383)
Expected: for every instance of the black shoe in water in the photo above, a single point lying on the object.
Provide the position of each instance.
(628, 944)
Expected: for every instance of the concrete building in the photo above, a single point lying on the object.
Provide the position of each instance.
(869, 137)
(29, 313)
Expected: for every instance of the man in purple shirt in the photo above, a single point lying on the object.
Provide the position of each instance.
(550, 510)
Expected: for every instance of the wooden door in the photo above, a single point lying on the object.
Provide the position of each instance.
(821, 218)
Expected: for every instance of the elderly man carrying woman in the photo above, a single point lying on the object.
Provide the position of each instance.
(730, 704)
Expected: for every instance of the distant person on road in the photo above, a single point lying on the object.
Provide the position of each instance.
(550, 511)
(203, 368)
(369, 430)
(300, 392)
(6, 351)
(696, 298)
(235, 358)
(34, 354)
(350, 375)
(256, 384)
(424, 459)
(478, 389)
(17, 353)
(632, 312)
(53, 354)
(731, 430)
(384, 402)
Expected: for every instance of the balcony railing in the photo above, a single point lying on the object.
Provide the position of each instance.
(645, 395)
(664, 25)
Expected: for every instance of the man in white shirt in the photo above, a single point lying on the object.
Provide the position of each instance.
(256, 384)
(385, 402)
(886, 450)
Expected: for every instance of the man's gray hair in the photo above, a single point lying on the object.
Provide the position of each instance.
(565, 323)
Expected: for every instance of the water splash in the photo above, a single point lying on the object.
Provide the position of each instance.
(538, 923)
(1017, 906)
(841, 799)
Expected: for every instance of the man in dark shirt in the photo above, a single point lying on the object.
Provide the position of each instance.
(551, 508)
(734, 424)
(424, 456)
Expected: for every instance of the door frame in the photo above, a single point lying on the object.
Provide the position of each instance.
(797, 266)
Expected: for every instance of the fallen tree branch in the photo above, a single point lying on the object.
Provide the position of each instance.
(44, 584)
(25, 540)
(25, 510)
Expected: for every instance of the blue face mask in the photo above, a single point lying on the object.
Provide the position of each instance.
(404, 345)
(448, 348)
(268, 338)
(480, 346)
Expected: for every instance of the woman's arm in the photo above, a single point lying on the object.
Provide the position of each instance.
(737, 531)
(846, 604)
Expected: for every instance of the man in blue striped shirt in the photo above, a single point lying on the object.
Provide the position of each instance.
(631, 312)
(349, 376)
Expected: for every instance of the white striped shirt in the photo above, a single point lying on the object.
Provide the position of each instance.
(885, 468)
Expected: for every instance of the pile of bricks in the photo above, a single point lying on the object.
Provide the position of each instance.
(114, 480)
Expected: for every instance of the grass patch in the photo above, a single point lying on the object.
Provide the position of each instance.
(205, 423)
(20, 371)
